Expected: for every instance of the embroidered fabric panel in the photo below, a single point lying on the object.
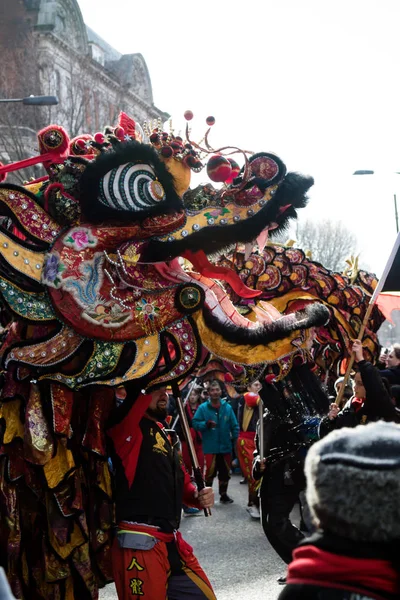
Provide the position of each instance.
(29, 305)
(88, 294)
(147, 354)
(228, 214)
(32, 217)
(47, 353)
(27, 262)
(38, 439)
(62, 400)
(185, 337)
(104, 359)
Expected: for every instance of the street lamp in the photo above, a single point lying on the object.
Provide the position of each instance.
(34, 100)
(396, 214)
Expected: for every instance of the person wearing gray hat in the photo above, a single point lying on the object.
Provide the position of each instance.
(353, 492)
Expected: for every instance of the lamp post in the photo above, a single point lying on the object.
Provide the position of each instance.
(396, 214)
(34, 100)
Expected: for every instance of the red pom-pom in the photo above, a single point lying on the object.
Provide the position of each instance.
(229, 377)
(99, 138)
(251, 399)
(176, 147)
(219, 168)
(119, 133)
(188, 115)
(235, 171)
(210, 121)
(270, 378)
(166, 152)
(81, 144)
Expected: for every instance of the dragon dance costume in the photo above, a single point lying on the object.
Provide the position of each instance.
(95, 297)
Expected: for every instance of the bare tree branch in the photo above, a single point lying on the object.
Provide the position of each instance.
(330, 242)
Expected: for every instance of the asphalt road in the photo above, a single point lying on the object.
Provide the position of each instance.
(233, 551)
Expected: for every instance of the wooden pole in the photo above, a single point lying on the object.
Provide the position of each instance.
(197, 471)
(192, 386)
(352, 357)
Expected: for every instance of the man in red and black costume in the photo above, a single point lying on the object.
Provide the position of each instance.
(248, 415)
(150, 558)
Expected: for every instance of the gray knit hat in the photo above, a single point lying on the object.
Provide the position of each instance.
(353, 482)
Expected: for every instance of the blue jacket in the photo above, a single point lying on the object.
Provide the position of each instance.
(220, 439)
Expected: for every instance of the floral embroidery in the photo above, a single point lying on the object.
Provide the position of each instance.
(80, 238)
(147, 310)
(52, 270)
(216, 212)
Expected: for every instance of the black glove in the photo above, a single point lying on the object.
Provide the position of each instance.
(211, 424)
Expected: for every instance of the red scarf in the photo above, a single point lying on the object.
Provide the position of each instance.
(314, 566)
(127, 436)
(357, 404)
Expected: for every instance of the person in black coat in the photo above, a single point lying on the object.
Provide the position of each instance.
(293, 410)
(372, 399)
(392, 370)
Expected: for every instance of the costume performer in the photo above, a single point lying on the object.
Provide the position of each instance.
(94, 298)
(149, 555)
(248, 415)
(294, 407)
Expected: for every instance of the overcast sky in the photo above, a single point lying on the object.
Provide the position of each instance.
(316, 81)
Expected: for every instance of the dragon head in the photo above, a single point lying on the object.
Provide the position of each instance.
(97, 254)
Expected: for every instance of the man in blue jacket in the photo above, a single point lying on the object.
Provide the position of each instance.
(220, 429)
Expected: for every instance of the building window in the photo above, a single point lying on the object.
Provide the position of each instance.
(97, 53)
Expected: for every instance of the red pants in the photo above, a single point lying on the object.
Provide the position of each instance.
(147, 573)
(245, 448)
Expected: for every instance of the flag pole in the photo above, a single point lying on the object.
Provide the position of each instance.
(352, 357)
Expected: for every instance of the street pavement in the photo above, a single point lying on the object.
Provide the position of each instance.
(232, 549)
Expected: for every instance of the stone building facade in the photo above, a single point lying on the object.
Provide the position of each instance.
(56, 53)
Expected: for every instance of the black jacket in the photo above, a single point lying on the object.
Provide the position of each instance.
(155, 496)
(377, 404)
(392, 374)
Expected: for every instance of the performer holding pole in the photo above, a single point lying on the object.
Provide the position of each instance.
(386, 296)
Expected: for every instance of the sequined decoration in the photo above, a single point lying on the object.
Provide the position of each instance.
(29, 305)
(104, 359)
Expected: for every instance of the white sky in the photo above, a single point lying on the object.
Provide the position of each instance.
(316, 81)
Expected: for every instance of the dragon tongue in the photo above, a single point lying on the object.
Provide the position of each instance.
(201, 263)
